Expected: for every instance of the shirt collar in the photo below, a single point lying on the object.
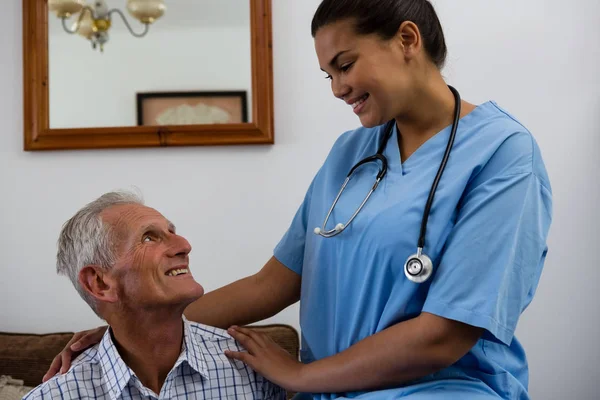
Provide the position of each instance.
(191, 351)
(117, 374)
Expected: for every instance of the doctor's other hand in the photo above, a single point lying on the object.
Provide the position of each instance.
(267, 358)
(77, 345)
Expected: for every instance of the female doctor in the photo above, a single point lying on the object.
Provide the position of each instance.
(413, 282)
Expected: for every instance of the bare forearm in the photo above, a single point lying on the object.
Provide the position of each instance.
(221, 307)
(248, 300)
(401, 353)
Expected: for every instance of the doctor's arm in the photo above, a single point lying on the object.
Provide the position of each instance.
(403, 352)
(489, 289)
(250, 299)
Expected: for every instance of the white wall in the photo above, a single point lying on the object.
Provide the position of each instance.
(539, 58)
(89, 88)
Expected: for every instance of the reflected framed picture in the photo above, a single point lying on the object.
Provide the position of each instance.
(191, 108)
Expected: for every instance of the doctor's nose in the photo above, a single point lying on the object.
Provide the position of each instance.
(339, 89)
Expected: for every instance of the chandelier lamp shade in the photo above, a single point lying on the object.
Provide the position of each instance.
(93, 20)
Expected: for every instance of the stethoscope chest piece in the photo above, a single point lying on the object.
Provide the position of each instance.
(418, 268)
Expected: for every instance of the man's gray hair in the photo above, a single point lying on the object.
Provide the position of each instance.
(86, 240)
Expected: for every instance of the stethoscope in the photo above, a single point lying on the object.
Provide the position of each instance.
(418, 267)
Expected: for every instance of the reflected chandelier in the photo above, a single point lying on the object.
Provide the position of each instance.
(95, 19)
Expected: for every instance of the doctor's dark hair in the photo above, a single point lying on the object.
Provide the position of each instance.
(384, 17)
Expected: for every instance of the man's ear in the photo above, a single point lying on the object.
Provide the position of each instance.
(98, 283)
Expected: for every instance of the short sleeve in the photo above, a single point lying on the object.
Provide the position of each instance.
(490, 267)
(290, 249)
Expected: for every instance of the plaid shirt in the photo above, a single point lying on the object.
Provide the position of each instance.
(201, 372)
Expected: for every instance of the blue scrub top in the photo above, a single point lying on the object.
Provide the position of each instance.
(486, 236)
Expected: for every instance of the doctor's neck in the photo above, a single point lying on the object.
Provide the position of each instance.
(431, 109)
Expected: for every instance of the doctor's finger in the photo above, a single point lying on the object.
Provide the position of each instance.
(242, 356)
(245, 340)
(258, 337)
(62, 361)
(65, 360)
(54, 368)
(87, 339)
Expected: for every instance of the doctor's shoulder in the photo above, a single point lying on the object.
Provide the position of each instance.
(511, 147)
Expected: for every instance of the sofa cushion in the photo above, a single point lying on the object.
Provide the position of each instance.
(284, 335)
(28, 356)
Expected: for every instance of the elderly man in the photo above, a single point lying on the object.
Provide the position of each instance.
(130, 266)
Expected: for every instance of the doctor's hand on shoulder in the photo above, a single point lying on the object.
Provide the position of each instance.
(78, 343)
(267, 358)
(428, 343)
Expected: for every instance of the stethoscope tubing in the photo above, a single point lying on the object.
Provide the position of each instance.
(418, 267)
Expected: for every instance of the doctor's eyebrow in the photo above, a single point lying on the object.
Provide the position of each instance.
(335, 58)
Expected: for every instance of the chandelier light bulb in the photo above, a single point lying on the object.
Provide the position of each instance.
(65, 8)
(146, 11)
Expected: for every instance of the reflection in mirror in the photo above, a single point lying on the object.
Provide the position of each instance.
(192, 66)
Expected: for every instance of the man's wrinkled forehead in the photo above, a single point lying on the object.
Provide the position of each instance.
(126, 219)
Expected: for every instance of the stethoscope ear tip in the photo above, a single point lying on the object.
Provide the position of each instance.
(317, 231)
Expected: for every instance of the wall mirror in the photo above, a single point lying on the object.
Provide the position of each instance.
(143, 73)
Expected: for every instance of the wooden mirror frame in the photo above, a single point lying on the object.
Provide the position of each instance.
(39, 136)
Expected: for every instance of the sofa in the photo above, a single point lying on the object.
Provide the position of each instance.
(25, 357)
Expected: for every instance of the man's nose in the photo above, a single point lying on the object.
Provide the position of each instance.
(179, 246)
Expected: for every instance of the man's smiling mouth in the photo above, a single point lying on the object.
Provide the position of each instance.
(177, 272)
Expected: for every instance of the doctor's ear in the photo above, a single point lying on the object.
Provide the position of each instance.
(409, 38)
(98, 283)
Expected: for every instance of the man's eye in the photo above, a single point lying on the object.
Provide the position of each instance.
(328, 77)
(148, 238)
